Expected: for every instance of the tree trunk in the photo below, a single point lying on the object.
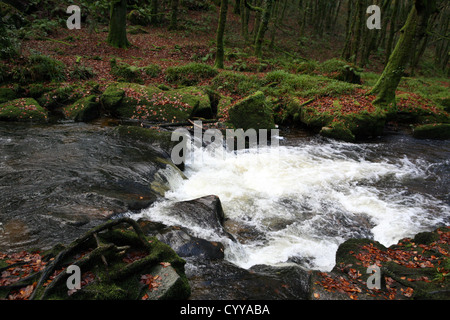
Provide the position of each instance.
(392, 27)
(265, 18)
(174, 15)
(220, 34)
(387, 84)
(154, 12)
(117, 36)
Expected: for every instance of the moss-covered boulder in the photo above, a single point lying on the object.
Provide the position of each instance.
(23, 109)
(83, 110)
(199, 100)
(150, 103)
(252, 112)
(64, 95)
(432, 131)
(190, 74)
(338, 131)
(414, 268)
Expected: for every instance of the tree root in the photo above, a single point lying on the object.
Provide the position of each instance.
(99, 253)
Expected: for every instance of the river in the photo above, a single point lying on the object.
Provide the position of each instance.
(291, 204)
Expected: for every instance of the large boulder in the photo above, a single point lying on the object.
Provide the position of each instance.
(83, 110)
(150, 103)
(252, 112)
(23, 109)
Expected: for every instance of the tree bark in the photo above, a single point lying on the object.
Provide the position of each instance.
(117, 36)
(265, 18)
(174, 15)
(389, 80)
(220, 34)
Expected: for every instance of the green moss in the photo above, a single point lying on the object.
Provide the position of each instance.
(432, 131)
(152, 70)
(24, 109)
(39, 68)
(190, 74)
(338, 131)
(252, 112)
(149, 103)
(61, 96)
(6, 95)
(125, 72)
(83, 110)
(236, 83)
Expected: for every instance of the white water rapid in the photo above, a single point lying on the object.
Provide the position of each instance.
(300, 202)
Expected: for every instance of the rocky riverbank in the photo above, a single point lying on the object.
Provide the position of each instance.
(415, 268)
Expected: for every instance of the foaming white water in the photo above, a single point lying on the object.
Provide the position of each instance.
(302, 202)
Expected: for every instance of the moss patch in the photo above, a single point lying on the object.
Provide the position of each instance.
(84, 110)
(23, 109)
(432, 131)
(252, 112)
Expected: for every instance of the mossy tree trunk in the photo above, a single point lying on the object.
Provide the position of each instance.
(265, 18)
(117, 36)
(389, 80)
(220, 34)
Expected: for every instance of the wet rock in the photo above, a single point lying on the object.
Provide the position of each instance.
(83, 110)
(222, 280)
(186, 245)
(252, 112)
(205, 213)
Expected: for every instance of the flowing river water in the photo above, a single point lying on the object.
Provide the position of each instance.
(291, 204)
(298, 202)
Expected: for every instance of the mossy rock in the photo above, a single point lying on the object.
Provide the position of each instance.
(125, 72)
(366, 124)
(338, 131)
(432, 131)
(150, 103)
(7, 94)
(190, 74)
(199, 100)
(83, 110)
(252, 112)
(23, 109)
(314, 119)
(62, 96)
(39, 68)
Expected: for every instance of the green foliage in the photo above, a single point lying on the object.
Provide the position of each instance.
(152, 70)
(81, 72)
(125, 72)
(236, 83)
(39, 68)
(190, 74)
(9, 44)
(332, 65)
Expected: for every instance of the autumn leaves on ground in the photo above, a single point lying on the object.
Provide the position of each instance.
(168, 77)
